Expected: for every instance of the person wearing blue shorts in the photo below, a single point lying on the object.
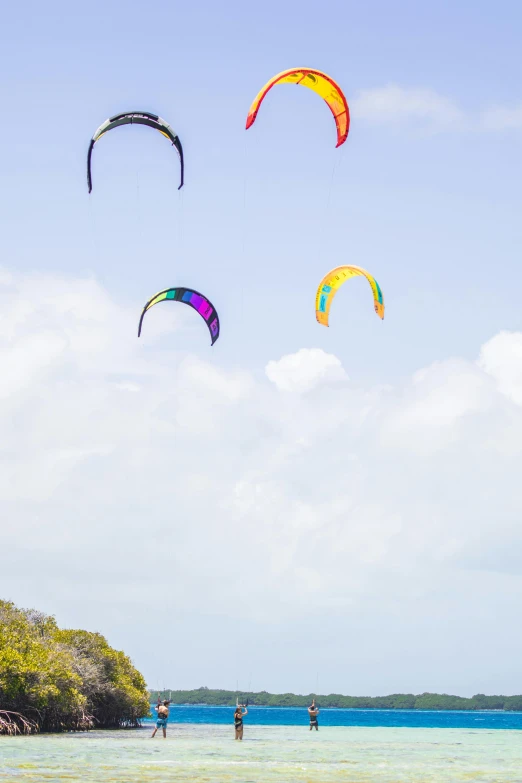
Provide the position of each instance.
(163, 717)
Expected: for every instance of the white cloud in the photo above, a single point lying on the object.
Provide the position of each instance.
(433, 405)
(429, 110)
(33, 355)
(5, 276)
(395, 104)
(285, 503)
(499, 118)
(304, 370)
(501, 358)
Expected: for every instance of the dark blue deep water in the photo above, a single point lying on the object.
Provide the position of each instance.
(292, 716)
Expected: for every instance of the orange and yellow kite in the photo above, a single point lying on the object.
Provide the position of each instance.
(320, 83)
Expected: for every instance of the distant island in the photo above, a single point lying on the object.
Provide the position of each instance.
(396, 701)
(53, 679)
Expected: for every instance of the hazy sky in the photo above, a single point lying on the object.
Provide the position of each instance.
(296, 508)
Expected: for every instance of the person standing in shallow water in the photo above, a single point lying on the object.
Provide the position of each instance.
(238, 720)
(313, 712)
(163, 717)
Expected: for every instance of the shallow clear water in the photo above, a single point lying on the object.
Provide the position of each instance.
(292, 716)
(208, 753)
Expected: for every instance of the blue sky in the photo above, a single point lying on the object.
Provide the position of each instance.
(431, 214)
(426, 194)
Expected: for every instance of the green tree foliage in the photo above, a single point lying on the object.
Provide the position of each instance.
(396, 701)
(65, 680)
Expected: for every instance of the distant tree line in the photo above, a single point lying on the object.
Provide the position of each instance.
(63, 680)
(397, 701)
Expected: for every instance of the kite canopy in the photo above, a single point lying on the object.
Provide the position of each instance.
(192, 298)
(135, 118)
(331, 283)
(320, 83)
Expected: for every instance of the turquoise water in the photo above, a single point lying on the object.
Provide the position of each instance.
(291, 716)
(200, 753)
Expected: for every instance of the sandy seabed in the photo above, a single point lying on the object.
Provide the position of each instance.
(209, 754)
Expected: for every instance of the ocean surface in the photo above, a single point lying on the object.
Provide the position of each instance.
(293, 716)
(207, 753)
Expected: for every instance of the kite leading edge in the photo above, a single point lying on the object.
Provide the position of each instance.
(192, 298)
(320, 83)
(331, 283)
(135, 118)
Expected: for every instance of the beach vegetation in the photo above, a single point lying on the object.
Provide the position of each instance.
(63, 680)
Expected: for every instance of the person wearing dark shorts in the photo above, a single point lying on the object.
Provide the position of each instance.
(313, 712)
(238, 720)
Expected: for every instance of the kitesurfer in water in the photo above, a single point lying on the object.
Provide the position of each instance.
(163, 717)
(313, 712)
(238, 720)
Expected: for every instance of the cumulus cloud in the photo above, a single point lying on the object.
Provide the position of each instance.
(501, 358)
(264, 501)
(304, 370)
(438, 399)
